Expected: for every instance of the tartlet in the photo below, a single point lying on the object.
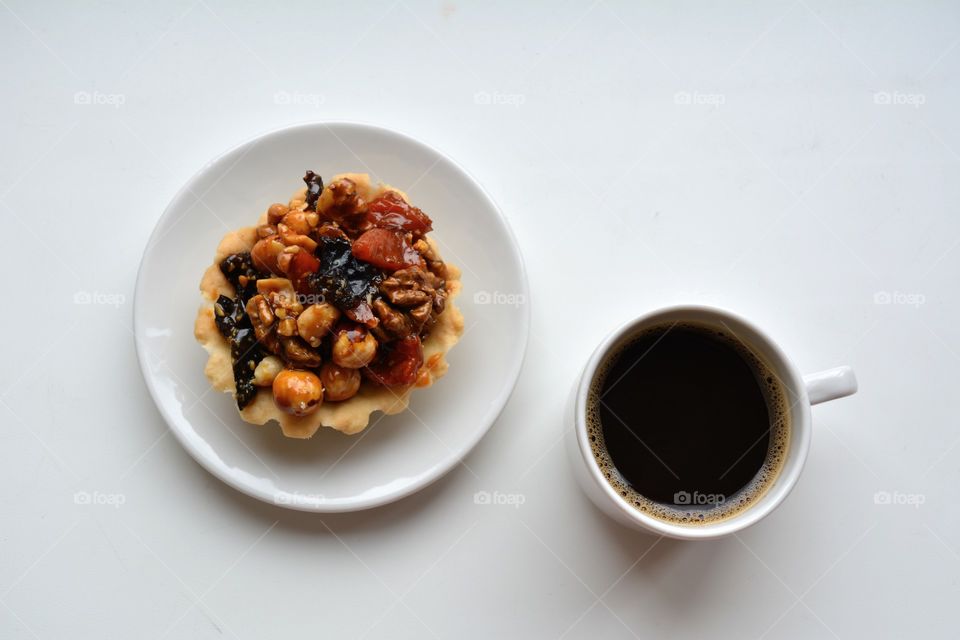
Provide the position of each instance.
(335, 306)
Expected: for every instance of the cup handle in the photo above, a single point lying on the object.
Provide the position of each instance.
(830, 384)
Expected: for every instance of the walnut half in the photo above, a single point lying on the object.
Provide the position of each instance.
(416, 298)
(411, 287)
(394, 322)
(340, 202)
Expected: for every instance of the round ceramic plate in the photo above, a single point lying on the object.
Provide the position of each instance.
(396, 455)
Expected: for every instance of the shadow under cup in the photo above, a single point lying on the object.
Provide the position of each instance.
(787, 406)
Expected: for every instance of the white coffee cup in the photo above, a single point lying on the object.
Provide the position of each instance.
(801, 391)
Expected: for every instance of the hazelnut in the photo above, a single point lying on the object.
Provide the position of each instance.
(264, 253)
(316, 321)
(339, 383)
(354, 348)
(266, 230)
(297, 392)
(267, 370)
(297, 222)
(276, 212)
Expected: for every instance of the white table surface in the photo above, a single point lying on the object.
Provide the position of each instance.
(793, 161)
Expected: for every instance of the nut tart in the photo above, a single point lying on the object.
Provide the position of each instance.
(334, 306)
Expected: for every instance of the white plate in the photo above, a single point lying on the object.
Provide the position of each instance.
(396, 455)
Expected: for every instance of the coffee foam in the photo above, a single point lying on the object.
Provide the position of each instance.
(777, 406)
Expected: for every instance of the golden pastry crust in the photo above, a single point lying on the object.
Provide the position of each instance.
(349, 416)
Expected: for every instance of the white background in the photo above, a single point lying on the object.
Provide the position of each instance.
(793, 161)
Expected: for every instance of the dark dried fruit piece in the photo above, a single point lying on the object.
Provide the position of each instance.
(314, 189)
(397, 363)
(239, 271)
(362, 314)
(245, 352)
(301, 265)
(386, 248)
(223, 314)
(342, 279)
(391, 211)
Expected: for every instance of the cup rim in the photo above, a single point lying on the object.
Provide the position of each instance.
(794, 463)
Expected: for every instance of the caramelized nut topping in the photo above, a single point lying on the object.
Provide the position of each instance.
(332, 277)
(297, 392)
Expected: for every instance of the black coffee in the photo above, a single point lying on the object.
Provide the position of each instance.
(688, 423)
